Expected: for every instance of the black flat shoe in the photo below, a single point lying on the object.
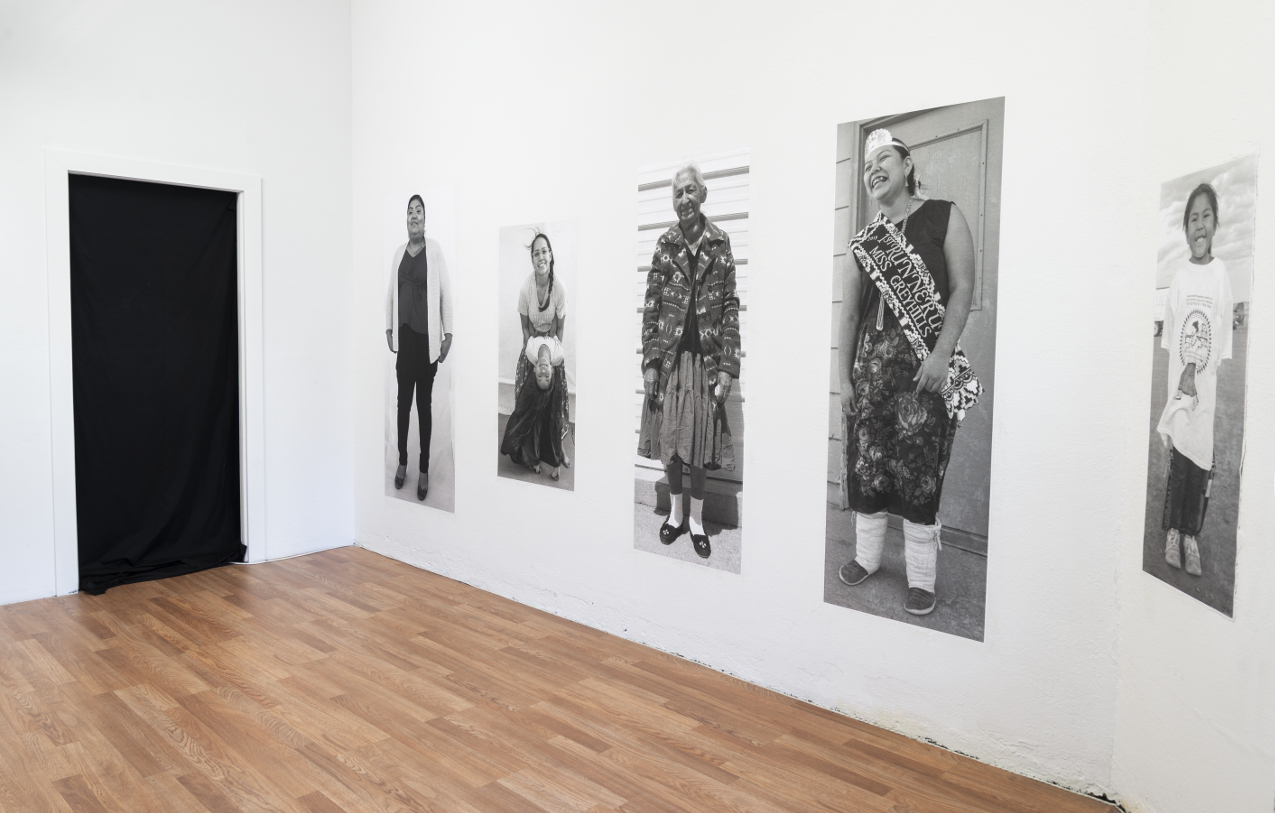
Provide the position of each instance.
(422, 486)
(669, 534)
(700, 542)
(399, 476)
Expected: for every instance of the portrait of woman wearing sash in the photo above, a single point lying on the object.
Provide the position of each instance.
(905, 383)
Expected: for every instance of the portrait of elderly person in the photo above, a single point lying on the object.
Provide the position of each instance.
(690, 357)
(418, 327)
(905, 383)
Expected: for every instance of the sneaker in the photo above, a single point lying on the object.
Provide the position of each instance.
(1192, 555)
(920, 602)
(853, 573)
(1171, 554)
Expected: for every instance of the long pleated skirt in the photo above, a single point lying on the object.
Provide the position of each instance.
(688, 423)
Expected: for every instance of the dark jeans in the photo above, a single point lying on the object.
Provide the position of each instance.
(415, 372)
(1186, 495)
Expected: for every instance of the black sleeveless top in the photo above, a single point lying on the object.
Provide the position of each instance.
(926, 231)
(413, 291)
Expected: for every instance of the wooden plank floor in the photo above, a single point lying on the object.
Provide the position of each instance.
(345, 681)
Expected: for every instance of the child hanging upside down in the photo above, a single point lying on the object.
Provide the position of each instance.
(534, 433)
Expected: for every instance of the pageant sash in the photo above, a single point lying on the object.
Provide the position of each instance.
(908, 289)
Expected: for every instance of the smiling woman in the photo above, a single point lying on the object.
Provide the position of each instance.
(910, 418)
(536, 349)
(541, 417)
(690, 356)
(906, 382)
(418, 315)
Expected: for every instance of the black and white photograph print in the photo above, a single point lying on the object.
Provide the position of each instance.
(1204, 272)
(692, 273)
(917, 216)
(419, 240)
(537, 354)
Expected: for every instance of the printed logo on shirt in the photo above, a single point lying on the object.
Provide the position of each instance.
(1196, 340)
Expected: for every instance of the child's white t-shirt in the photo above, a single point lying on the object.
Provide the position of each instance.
(556, 356)
(1198, 317)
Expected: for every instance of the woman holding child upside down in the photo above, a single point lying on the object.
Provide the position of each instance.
(541, 419)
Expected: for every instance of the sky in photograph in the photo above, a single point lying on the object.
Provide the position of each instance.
(1236, 186)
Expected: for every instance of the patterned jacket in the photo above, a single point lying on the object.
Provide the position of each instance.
(668, 292)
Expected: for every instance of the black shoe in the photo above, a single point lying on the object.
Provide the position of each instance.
(700, 542)
(399, 476)
(669, 534)
(422, 485)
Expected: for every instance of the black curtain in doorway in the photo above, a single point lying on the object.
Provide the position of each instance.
(154, 331)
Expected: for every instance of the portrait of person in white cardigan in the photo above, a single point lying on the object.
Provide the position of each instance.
(418, 331)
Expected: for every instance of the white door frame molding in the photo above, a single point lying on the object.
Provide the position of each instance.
(58, 166)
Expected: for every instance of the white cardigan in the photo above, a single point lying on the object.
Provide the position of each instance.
(438, 296)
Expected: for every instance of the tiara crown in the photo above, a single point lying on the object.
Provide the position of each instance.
(877, 139)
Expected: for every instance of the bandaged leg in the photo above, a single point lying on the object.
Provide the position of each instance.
(921, 550)
(869, 539)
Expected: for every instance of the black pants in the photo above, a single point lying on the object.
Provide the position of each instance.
(1186, 495)
(415, 372)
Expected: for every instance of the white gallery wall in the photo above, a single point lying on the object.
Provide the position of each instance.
(258, 88)
(1195, 725)
(1093, 674)
(545, 111)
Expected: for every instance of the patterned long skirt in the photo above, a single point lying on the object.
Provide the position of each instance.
(895, 449)
(688, 424)
(525, 372)
(533, 434)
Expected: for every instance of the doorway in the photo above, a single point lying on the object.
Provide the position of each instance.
(155, 371)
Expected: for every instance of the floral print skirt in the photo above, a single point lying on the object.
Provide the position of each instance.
(895, 448)
(687, 422)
